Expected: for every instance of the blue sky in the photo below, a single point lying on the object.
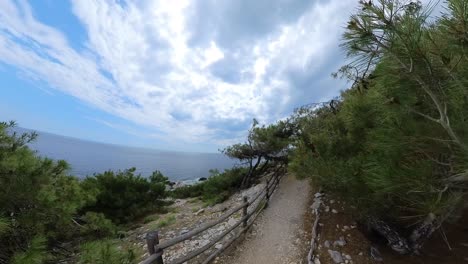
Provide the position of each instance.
(178, 75)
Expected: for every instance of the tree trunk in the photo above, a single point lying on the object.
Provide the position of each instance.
(423, 232)
(395, 241)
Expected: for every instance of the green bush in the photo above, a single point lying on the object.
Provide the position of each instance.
(104, 252)
(97, 226)
(123, 196)
(217, 188)
(41, 207)
(37, 199)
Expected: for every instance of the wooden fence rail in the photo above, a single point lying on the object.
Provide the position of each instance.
(156, 249)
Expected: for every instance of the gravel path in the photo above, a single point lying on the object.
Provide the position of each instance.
(278, 235)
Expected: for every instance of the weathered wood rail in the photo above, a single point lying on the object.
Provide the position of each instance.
(257, 204)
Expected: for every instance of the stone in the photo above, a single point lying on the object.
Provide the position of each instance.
(218, 246)
(332, 201)
(341, 242)
(316, 204)
(334, 211)
(231, 222)
(327, 209)
(348, 257)
(327, 243)
(317, 261)
(336, 256)
(184, 231)
(360, 254)
(317, 195)
(200, 211)
(375, 254)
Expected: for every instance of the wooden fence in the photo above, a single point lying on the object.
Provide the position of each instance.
(156, 248)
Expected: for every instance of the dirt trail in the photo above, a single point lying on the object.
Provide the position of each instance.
(278, 235)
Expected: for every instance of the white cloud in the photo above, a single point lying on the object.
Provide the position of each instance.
(159, 78)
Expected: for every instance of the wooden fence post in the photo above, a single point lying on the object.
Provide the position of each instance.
(244, 212)
(152, 241)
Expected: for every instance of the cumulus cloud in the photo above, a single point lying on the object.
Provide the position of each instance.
(192, 70)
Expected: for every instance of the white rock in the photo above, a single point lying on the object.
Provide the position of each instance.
(231, 221)
(327, 209)
(327, 243)
(317, 195)
(360, 254)
(341, 242)
(334, 211)
(336, 256)
(316, 204)
(348, 257)
(218, 246)
(200, 211)
(317, 261)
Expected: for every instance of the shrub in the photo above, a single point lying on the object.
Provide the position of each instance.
(104, 252)
(37, 199)
(217, 188)
(97, 226)
(123, 196)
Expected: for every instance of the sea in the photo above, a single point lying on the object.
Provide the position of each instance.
(87, 158)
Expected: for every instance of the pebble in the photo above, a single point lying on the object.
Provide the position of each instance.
(218, 246)
(336, 256)
(317, 195)
(360, 254)
(341, 242)
(231, 221)
(334, 211)
(317, 261)
(332, 201)
(348, 257)
(327, 243)
(327, 209)
(200, 211)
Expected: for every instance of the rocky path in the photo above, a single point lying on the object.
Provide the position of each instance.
(278, 236)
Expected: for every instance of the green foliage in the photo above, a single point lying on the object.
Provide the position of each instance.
(4, 226)
(266, 147)
(97, 226)
(41, 207)
(34, 254)
(124, 196)
(394, 142)
(104, 252)
(169, 220)
(217, 188)
(37, 199)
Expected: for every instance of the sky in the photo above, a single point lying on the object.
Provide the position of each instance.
(178, 75)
